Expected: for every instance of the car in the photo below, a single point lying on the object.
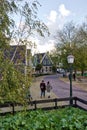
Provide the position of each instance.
(61, 71)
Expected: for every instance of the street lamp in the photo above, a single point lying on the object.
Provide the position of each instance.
(70, 60)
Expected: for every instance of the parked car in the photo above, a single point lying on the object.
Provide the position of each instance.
(60, 71)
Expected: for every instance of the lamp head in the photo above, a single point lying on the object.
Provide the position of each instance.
(70, 59)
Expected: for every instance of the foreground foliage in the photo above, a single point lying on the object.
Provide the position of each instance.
(61, 119)
(16, 71)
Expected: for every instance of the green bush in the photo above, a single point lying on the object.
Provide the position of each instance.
(61, 119)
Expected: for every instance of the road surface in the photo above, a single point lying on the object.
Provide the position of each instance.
(62, 89)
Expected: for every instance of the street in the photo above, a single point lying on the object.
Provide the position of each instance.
(62, 89)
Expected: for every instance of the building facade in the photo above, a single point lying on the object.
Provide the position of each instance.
(45, 60)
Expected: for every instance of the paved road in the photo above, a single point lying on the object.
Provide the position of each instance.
(62, 89)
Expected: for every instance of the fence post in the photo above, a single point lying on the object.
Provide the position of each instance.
(55, 100)
(71, 101)
(35, 105)
(75, 101)
(13, 110)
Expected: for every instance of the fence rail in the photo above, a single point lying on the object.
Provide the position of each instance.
(47, 104)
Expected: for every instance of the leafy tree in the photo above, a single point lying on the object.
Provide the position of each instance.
(55, 56)
(54, 69)
(73, 40)
(66, 42)
(29, 25)
(13, 83)
(7, 7)
(80, 58)
(38, 67)
(81, 49)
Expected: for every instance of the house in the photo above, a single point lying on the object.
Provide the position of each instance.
(19, 55)
(16, 54)
(45, 60)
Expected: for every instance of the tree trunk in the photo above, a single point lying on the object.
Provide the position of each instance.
(82, 72)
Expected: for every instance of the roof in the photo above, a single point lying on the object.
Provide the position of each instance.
(19, 56)
(41, 58)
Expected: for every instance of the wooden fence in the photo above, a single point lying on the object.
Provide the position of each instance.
(47, 104)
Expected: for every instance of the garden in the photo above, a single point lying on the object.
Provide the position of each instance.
(61, 119)
(17, 25)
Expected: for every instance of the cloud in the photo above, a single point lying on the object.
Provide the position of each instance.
(55, 21)
(52, 16)
(48, 46)
(63, 11)
(57, 18)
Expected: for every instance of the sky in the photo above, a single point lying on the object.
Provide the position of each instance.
(56, 13)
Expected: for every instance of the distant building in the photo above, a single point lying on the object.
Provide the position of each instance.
(45, 60)
(20, 56)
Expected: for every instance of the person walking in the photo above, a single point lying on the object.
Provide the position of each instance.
(42, 88)
(74, 76)
(48, 88)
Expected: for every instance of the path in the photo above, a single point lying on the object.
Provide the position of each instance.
(35, 89)
(62, 89)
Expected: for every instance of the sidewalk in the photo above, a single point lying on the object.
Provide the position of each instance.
(35, 90)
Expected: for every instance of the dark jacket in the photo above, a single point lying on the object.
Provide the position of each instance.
(42, 86)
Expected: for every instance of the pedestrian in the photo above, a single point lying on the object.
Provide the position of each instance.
(42, 88)
(74, 76)
(48, 88)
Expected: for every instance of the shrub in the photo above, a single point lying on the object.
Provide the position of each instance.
(61, 119)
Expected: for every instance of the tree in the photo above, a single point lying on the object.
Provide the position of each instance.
(81, 50)
(9, 77)
(38, 67)
(73, 40)
(29, 25)
(7, 7)
(13, 83)
(81, 59)
(55, 56)
(65, 42)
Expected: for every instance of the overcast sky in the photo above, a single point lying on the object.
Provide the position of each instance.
(55, 13)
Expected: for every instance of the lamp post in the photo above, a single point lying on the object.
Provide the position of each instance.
(70, 60)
